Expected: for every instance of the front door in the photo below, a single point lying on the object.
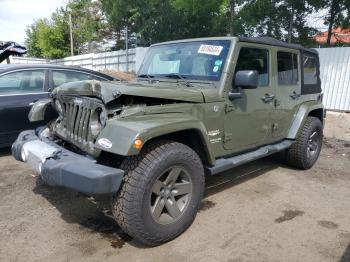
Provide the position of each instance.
(248, 118)
(18, 91)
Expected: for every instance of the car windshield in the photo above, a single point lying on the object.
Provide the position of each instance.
(197, 60)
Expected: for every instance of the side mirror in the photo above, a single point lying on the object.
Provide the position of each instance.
(247, 79)
(244, 79)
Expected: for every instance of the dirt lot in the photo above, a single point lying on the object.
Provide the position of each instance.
(263, 211)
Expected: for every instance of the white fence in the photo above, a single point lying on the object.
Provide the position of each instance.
(335, 69)
(115, 60)
(335, 77)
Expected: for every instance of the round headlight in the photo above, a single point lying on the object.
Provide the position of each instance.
(102, 117)
(58, 107)
(24, 154)
(97, 121)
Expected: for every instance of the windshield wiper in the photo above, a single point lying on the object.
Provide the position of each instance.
(145, 76)
(179, 76)
(150, 78)
(174, 75)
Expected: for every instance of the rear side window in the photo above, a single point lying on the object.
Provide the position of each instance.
(310, 70)
(61, 77)
(255, 59)
(287, 68)
(22, 82)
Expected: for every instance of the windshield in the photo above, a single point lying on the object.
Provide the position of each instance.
(199, 60)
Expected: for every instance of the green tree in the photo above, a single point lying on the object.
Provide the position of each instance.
(162, 20)
(50, 38)
(338, 15)
(281, 19)
(31, 41)
(88, 23)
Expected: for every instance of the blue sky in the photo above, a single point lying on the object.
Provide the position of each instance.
(15, 15)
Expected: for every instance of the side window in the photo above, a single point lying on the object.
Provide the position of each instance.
(61, 77)
(255, 59)
(309, 70)
(287, 68)
(22, 82)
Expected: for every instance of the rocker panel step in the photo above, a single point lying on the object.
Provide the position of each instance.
(223, 164)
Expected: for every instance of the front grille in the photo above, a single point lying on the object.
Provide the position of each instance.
(74, 124)
(76, 121)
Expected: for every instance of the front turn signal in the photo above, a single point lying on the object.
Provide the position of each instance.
(138, 143)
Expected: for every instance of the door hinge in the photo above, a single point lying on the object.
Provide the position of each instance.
(227, 137)
(229, 108)
(275, 127)
(277, 103)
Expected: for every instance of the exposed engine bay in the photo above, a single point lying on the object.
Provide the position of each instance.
(125, 102)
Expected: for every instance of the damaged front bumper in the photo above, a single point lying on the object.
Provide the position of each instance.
(60, 167)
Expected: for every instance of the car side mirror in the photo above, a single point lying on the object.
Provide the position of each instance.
(248, 79)
(244, 79)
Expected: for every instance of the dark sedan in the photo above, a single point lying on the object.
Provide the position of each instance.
(21, 85)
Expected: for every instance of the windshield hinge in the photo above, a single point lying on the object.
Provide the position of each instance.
(229, 108)
(227, 137)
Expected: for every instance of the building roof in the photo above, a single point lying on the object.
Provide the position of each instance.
(339, 35)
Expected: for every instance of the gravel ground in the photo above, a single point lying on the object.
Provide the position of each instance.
(263, 211)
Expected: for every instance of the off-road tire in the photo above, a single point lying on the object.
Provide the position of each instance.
(297, 155)
(130, 206)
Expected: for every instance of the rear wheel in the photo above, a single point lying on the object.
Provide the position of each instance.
(305, 151)
(161, 193)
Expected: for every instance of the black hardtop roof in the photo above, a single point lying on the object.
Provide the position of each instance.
(259, 40)
(272, 41)
(7, 67)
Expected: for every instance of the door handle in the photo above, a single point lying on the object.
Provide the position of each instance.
(295, 95)
(268, 98)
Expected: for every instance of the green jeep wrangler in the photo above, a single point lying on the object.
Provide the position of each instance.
(198, 107)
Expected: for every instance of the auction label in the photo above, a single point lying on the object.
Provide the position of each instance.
(210, 49)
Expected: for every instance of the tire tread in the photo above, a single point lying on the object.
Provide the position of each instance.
(296, 153)
(125, 204)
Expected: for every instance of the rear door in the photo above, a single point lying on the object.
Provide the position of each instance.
(18, 91)
(288, 89)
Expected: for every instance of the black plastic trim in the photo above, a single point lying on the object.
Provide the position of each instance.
(71, 170)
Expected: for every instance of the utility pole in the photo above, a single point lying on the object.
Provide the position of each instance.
(127, 47)
(291, 21)
(71, 35)
(232, 17)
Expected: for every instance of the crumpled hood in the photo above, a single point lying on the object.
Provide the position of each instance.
(108, 91)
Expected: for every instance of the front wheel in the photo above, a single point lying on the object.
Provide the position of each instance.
(161, 193)
(306, 149)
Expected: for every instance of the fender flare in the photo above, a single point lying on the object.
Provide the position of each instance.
(122, 133)
(37, 112)
(300, 117)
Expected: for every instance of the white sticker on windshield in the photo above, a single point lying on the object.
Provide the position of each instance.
(210, 49)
